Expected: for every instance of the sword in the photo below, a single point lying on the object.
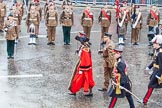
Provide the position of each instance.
(22, 76)
(121, 87)
(157, 77)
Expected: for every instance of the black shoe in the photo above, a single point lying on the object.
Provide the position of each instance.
(34, 43)
(8, 57)
(90, 94)
(102, 89)
(135, 43)
(48, 43)
(74, 94)
(52, 43)
(119, 43)
(29, 43)
(12, 57)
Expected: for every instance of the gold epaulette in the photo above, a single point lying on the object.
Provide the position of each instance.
(155, 66)
(160, 80)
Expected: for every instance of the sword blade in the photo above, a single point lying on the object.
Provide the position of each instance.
(22, 76)
(140, 100)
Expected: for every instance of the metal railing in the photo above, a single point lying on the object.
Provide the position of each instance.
(111, 2)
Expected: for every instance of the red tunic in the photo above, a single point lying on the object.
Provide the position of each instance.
(83, 76)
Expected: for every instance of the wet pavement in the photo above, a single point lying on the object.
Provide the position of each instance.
(57, 63)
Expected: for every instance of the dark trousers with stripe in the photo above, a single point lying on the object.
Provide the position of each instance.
(148, 94)
(129, 98)
(66, 33)
(10, 47)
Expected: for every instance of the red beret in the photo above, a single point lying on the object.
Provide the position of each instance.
(117, 50)
(82, 34)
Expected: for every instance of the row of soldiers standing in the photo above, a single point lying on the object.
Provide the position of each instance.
(12, 25)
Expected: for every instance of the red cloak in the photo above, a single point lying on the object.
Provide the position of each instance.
(83, 76)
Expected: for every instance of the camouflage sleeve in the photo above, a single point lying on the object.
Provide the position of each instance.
(5, 9)
(110, 57)
(99, 18)
(61, 17)
(40, 11)
(110, 16)
(56, 18)
(92, 18)
(27, 19)
(46, 18)
(82, 18)
(38, 18)
(148, 19)
(105, 53)
(72, 18)
(159, 16)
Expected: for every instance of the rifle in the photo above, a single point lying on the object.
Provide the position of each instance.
(9, 26)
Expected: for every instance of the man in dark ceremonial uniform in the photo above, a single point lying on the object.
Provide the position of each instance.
(121, 79)
(156, 76)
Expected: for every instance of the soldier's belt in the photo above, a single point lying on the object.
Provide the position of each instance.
(52, 18)
(87, 18)
(103, 18)
(156, 66)
(32, 19)
(67, 18)
(15, 18)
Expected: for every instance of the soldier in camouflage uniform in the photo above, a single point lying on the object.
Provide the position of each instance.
(33, 17)
(39, 9)
(17, 18)
(105, 20)
(11, 34)
(87, 21)
(153, 18)
(2, 14)
(51, 23)
(108, 55)
(136, 27)
(67, 20)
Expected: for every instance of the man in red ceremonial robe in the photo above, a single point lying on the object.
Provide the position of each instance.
(83, 76)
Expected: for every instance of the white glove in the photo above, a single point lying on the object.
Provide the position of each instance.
(147, 69)
(5, 29)
(121, 87)
(80, 72)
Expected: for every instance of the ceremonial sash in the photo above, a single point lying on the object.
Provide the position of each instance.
(105, 14)
(138, 18)
(88, 14)
(121, 23)
(154, 15)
